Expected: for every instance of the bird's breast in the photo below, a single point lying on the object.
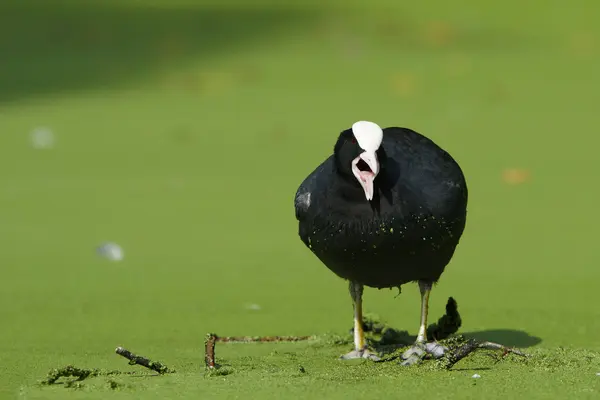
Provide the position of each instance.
(376, 236)
(384, 253)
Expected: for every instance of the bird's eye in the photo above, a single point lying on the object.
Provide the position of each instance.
(353, 140)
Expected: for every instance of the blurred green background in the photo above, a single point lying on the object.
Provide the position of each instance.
(181, 130)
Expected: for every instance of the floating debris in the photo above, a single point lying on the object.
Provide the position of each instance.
(42, 138)
(515, 176)
(111, 251)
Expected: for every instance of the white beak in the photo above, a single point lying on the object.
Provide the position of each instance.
(366, 178)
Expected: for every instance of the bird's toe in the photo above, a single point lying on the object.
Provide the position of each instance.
(413, 355)
(419, 351)
(435, 349)
(370, 355)
(411, 360)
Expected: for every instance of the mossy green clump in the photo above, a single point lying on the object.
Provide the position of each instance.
(80, 374)
(454, 341)
(561, 358)
(75, 384)
(70, 371)
(221, 371)
(116, 385)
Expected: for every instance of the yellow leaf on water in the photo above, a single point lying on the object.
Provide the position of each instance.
(403, 84)
(439, 33)
(515, 176)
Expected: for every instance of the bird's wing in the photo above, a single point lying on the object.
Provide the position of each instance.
(311, 189)
(429, 172)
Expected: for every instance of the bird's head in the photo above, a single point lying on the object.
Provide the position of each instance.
(355, 154)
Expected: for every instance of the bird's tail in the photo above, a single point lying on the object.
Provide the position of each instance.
(448, 323)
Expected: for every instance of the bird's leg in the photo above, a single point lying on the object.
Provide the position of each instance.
(360, 344)
(421, 347)
(425, 289)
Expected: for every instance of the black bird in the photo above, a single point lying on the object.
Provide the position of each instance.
(387, 208)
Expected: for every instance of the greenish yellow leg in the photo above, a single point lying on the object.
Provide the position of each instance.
(415, 354)
(425, 289)
(360, 344)
(356, 292)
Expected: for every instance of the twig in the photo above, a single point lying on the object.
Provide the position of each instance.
(209, 350)
(472, 345)
(144, 362)
(212, 338)
(258, 339)
(461, 352)
(506, 350)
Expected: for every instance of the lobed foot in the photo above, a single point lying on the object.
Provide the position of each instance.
(365, 353)
(420, 351)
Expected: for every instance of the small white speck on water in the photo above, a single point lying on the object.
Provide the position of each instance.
(42, 138)
(253, 307)
(476, 376)
(110, 251)
(597, 373)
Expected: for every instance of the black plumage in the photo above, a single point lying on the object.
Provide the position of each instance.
(408, 231)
